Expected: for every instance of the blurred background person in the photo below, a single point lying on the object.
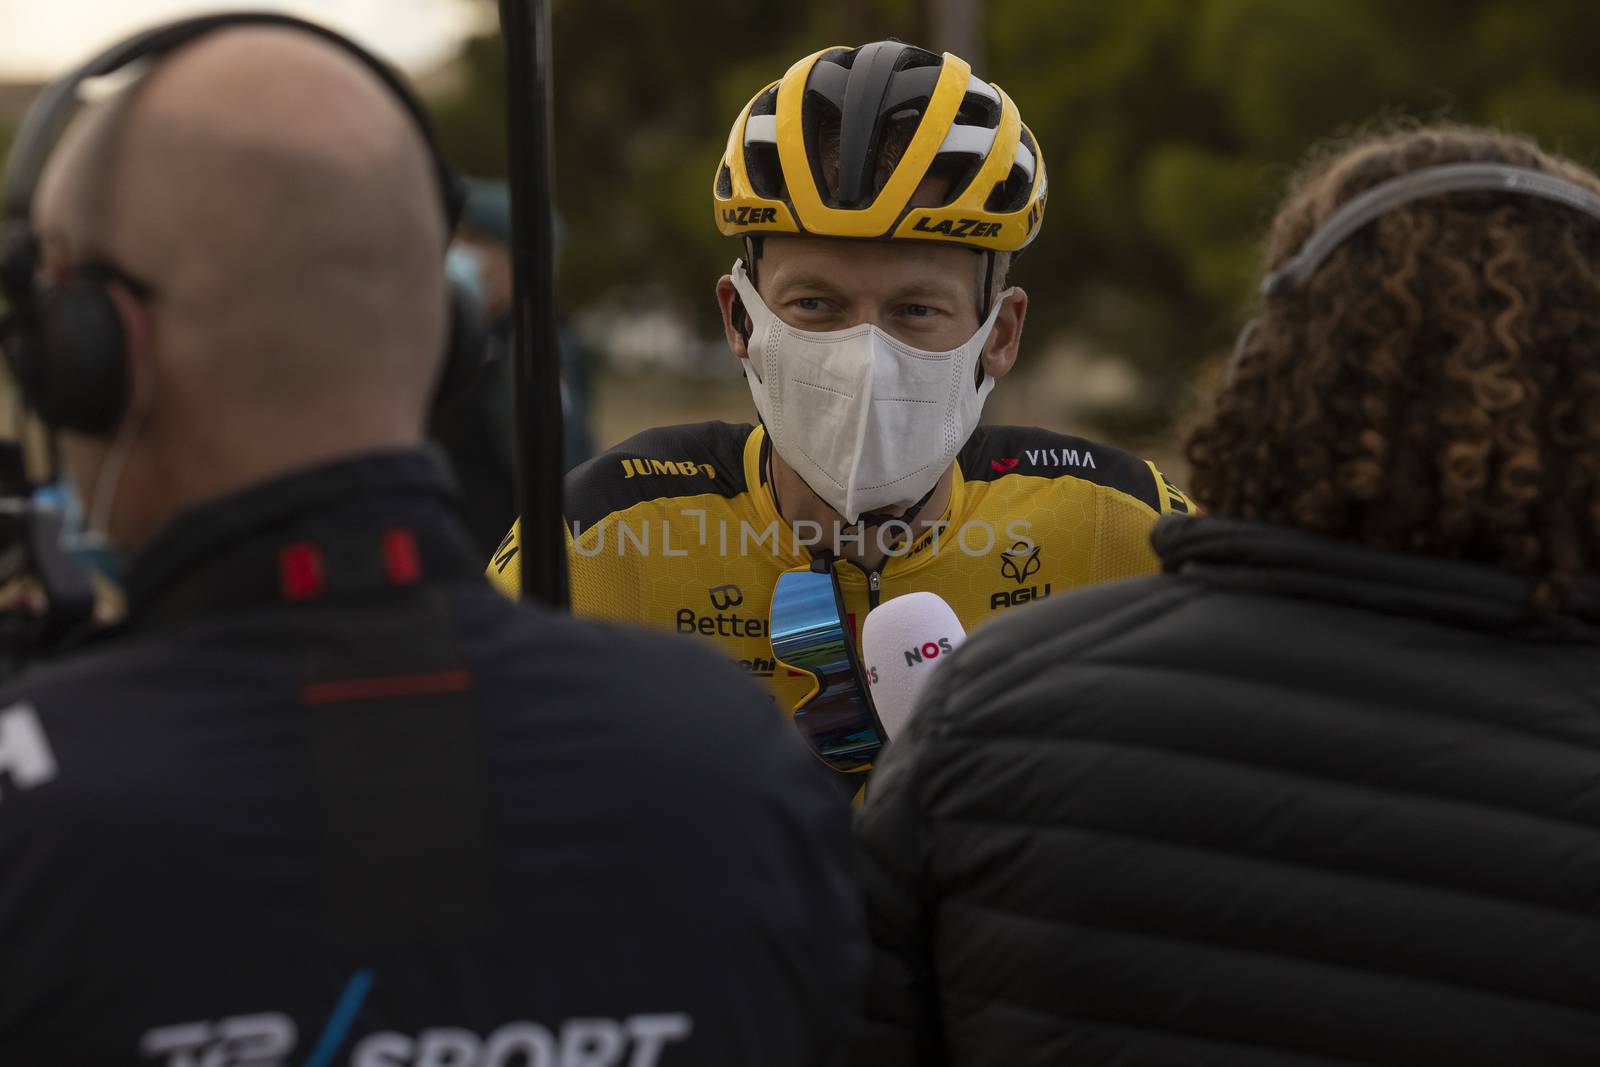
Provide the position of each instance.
(1326, 790)
(328, 794)
(477, 427)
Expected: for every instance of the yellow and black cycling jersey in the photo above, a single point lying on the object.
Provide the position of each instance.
(676, 528)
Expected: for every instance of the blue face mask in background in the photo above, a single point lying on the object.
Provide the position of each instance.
(464, 265)
(90, 549)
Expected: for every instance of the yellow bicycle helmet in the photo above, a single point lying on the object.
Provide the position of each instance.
(771, 179)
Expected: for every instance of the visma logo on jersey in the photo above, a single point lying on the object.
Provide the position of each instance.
(1046, 457)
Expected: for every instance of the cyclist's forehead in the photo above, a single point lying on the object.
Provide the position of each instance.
(867, 268)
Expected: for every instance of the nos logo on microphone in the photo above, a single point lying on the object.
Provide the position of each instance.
(928, 651)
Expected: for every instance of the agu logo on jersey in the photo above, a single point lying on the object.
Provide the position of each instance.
(1019, 563)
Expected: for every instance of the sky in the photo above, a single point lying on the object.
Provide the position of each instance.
(40, 37)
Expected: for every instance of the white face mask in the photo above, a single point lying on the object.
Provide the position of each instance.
(868, 421)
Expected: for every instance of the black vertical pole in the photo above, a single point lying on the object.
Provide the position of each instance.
(525, 27)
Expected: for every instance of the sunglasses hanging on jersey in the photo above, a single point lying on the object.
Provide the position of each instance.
(809, 635)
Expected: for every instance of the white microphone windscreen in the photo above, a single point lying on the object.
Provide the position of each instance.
(902, 642)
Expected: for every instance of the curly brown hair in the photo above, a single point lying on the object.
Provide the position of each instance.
(1435, 386)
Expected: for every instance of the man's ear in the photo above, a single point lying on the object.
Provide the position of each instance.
(1000, 352)
(138, 346)
(727, 297)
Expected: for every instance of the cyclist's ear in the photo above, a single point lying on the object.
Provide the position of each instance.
(1000, 351)
(736, 325)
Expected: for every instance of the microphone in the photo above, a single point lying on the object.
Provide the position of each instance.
(901, 644)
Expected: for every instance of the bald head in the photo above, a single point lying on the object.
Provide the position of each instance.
(282, 208)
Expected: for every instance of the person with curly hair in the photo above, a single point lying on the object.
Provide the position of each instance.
(1327, 790)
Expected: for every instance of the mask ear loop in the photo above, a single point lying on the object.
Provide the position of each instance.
(752, 255)
(983, 311)
(988, 285)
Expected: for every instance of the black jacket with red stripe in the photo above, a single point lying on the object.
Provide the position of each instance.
(331, 799)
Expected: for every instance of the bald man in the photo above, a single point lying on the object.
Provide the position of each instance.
(329, 798)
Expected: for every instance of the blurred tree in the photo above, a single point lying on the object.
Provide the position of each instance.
(1170, 128)
(644, 95)
(957, 26)
(472, 120)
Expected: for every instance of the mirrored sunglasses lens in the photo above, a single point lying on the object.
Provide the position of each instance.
(838, 727)
(809, 635)
(807, 632)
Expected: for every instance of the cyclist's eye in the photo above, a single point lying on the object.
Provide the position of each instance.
(809, 303)
(920, 311)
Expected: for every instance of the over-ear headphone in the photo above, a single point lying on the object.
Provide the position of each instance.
(64, 342)
(1396, 192)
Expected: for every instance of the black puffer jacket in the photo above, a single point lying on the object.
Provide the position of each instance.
(1292, 802)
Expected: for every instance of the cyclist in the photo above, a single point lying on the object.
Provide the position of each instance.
(881, 194)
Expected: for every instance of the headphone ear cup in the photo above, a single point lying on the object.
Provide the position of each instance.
(76, 367)
(467, 347)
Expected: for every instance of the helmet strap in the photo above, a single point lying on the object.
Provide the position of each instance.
(752, 254)
(988, 284)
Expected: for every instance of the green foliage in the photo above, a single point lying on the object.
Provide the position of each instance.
(472, 121)
(1170, 127)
